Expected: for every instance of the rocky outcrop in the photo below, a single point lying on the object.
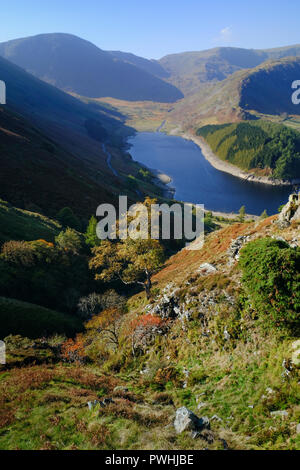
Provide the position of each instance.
(170, 306)
(186, 420)
(92, 404)
(235, 248)
(206, 269)
(290, 212)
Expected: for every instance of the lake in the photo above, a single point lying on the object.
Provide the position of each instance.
(196, 181)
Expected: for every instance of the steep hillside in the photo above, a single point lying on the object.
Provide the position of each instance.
(49, 136)
(265, 89)
(17, 224)
(189, 71)
(33, 321)
(37, 173)
(219, 340)
(75, 65)
(257, 146)
(268, 88)
(60, 115)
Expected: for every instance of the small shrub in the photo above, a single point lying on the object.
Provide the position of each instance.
(18, 253)
(73, 350)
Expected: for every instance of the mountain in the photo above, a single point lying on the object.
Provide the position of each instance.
(268, 88)
(150, 66)
(265, 89)
(189, 71)
(78, 66)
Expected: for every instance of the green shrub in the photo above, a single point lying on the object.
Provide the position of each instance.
(271, 279)
(68, 219)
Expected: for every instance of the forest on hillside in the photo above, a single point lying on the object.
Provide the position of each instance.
(256, 145)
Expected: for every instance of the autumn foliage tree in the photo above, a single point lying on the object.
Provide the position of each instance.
(133, 259)
(130, 261)
(107, 324)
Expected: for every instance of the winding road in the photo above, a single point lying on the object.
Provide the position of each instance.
(108, 161)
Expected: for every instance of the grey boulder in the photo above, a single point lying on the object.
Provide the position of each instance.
(186, 420)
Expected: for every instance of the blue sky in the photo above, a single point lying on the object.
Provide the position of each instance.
(155, 28)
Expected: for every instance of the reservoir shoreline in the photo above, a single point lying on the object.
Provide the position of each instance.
(233, 170)
(182, 161)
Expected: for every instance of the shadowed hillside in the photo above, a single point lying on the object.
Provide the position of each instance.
(78, 66)
(51, 148)
(268, 88)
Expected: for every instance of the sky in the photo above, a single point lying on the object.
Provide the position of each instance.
(156, 28)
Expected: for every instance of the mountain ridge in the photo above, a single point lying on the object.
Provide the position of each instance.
(76, 65)
(191, 70)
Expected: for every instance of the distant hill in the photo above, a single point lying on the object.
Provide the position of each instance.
(150, 66)
(265, 89)
(189, 71)
(75, 65)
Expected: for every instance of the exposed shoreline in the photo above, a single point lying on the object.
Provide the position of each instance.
(233, 170)
(162, 180)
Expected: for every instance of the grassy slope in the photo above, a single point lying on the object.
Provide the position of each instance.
(18, 224)
(33, 321)
(231, 380)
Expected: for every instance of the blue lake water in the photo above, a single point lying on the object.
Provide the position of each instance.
(196, 181)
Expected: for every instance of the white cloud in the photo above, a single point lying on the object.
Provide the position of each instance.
(225, 36)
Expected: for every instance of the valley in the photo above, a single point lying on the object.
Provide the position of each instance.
(144, 343)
